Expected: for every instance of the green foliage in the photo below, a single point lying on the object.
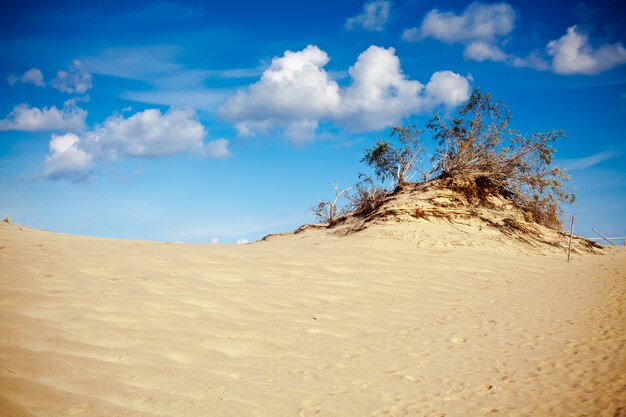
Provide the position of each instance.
(7, 219)
(396, 163)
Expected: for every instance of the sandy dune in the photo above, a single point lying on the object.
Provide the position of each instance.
(307, 325)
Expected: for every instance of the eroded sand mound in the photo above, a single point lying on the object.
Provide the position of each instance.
(454, 212)
(313, 324)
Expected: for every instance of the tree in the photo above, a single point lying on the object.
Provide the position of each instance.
(326, 211)
(396, 163)
(477, 142)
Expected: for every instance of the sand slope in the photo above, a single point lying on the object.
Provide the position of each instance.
(307, 325)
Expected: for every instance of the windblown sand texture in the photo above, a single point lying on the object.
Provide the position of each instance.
(395, 320)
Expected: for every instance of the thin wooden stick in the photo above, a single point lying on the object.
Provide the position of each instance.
(605, 238)
(571, 232)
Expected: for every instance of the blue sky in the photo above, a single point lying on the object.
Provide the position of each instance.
(204, 121)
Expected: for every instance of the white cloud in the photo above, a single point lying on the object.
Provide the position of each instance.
(411, 35)
(380, 94)
(149, 133)
(33, 76)
(484, 22)
(447, 88)
(481, 51)
(480, 27)
(215, 241)
(373, 18)
(24, 117)
(242, 241)
(533, 60)
(573, 54)
(76, 80)
(144, 64)
(588, 161)
(295, 86)
(217, 149)
(66, 157)
(296, 93)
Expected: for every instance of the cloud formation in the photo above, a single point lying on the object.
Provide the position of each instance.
(33, 76)
(483, 28)
(149, 133)
(588, 161)
(76, 80)
(217, 149)
(295, 93)
(573, 54)
(65, 157)
(26, 118)
(373, 18)
(482, 51)
(480, 27)
(533, 60)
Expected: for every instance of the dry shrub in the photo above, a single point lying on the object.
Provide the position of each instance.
(366, 197)
(330, 211)
(478, 143)
(476, 154)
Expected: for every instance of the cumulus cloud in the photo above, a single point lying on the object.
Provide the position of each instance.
(33, 76)
(24, 117)
(149, 133)
(380, 94)
(242, 241)
(447, 88)
(66, 157)
(573, 54)
(76, 80)
(478, 22)
(483, 28)
(373, 18)
(296, 93)
(480, 27)
(482, 51)
(217, 149)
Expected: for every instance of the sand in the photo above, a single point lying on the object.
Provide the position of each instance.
(307, 325)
